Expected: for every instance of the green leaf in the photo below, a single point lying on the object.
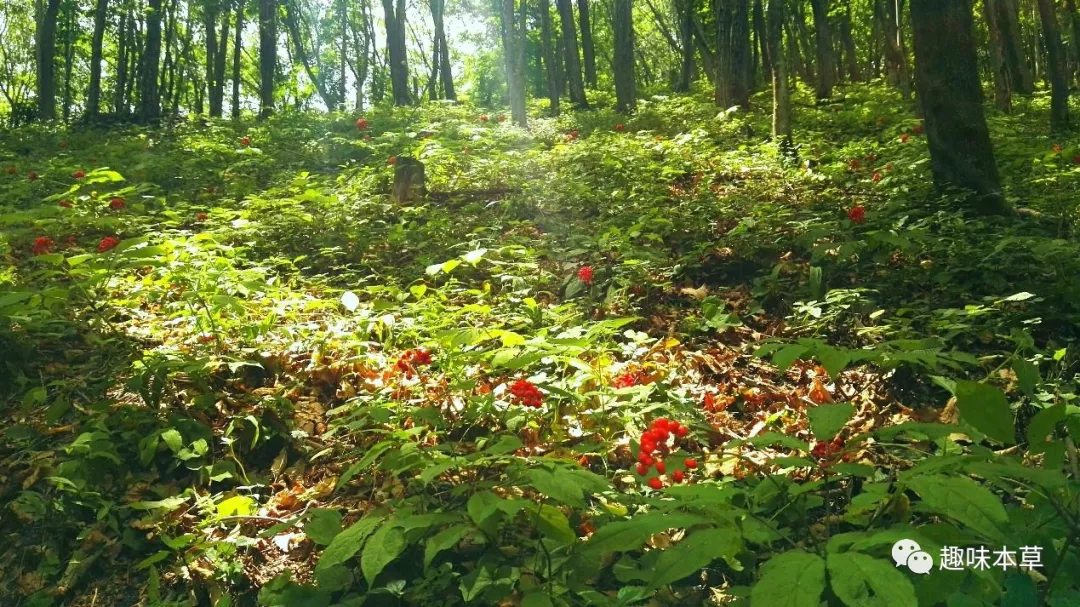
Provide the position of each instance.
(630, 535)
(348, 542)
(835, 360)
(323, 525)
(1042, 426)
(986, 408)
(827, 420)
(963, 500)
(783, 358)
(482, 505)
(694, 553)
(1027, 375)
(476, 582)
(555, 486)
(386, 545)
(862, 581)
(237, 505)
(173, 439)
(444, 540)
(552, 523)
(537, 598)
(792, 579)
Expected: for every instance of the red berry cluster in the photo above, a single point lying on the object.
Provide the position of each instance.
(526, 393)
(620, 127)
(42, 245)
(32, 176)
(628, 379)
(572, 136)
(857, 214)
(827, 452)
(79, 174)
(117, 203)
(483, 117)
(585, 274)
(361, 123)
(65, 203)
(245, 141)
(201, 216)
(411, 359)
(660, 439)
(107, 244)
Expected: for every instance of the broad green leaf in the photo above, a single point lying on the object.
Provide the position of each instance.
(788, 355)
(1027, 375)
(537, 598)
(864, 581)
(555, 486)
(237, 505)
(695, 552)
(348, 542)
(827, 420)
(833, 359)
(1042, 425)
(986, 408)
(323, 525)
(386, 545)
(622, 536)
(792, 579)
(552, 523)
(444, 540)
(963, 500)
(482, 505)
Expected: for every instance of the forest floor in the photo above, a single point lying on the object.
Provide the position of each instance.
(224, 344)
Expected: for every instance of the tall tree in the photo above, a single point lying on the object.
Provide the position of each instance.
(685, 9)
(1003, 87)
(267, 55)
(847, 39)
(725, 70)
(238, 44)
(394, 17)
(573, 60)
(588, 51)
(442, 52)
(46, 13)
(825, 62)
(896, 65)
(551, 65)
(317, 77)
(122, 52)
(1074, 24)
(781, 123)
(623, 28)
(93, 96)
(947, 80)
(217, 92)
(741, 55)
(149, 95)
(1057, 66)
(513, 41)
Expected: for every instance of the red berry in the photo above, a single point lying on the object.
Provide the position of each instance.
(642, 469)
(904, 138)
(361, 124)
(857, 214)
(648, 447)
(690, 463)
(483, 117)
(391, 160)
(245, 141)
(585, 274)
(681, 431)
(877, 177)
(65, 203)
(660, 467)
(31, 176)
(672, 426)
(78, 174)
(678, 476)
(619, 127)
(656, 483)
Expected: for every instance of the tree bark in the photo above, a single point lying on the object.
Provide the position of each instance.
(725, 71)
(121, 66)
(1002, 79)
(762, 35)
(46, 13)
(1074, 23)
(848, 42)
(69, 57)
(93, 96)
(825, 61)
(217, 93)
(396, 51)
(781, 124)
(237, 55)
(551, 67)
(742, 66)
(686, 10)
(625, 85)
(1057, 66)
(1009, 22)
(947, 79)
(896, 66)
(573, 61)
(149, 95)
(442, 56)
(587, 50)
(267, 55)
(513, 38)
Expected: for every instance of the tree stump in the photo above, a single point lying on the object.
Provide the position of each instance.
(409, 180)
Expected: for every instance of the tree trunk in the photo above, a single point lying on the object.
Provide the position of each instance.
(210, 38)
(46, 13)
(93, 96)
(1074, 23)
(947, 78)
(1002, 79)
(896, 66)
(69, 57)
(396, 51)
(762, 35)
(725, 71)
(121, 66)
(217, 93)
(781, 124)
(513, 37)
(848, 42)
(267, 55)
(237, 56)
(573, 61)
(551, 67)
(825, 62)
(623, 28)
(292, 23)
(442, 55)
(587, 50)
(686, 10)
(1057, 66)
(149, 95)
(741, 64)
